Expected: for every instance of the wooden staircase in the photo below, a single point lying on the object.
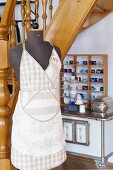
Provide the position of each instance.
(67, 23)
(64, 27)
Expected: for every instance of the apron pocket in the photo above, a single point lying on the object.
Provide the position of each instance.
(41, 105)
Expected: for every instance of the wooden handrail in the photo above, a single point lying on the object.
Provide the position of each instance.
(8, 12)
(6, 17)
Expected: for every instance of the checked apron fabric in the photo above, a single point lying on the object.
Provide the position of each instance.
(37, 132)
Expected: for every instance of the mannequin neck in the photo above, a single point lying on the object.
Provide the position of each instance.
(35, 37)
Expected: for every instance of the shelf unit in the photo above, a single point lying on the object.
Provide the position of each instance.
(90, 71)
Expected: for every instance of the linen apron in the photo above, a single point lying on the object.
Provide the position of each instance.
(37, 133)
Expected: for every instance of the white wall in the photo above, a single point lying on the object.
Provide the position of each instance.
(98, 39)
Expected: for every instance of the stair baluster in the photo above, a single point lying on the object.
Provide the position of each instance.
(36, 10)
(9, 33)
(23, 18)
(44, 15)
(13, 31)
(13, 43)
(50, 8)
(28, 16)
(13, 82)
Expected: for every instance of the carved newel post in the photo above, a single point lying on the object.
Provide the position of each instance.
(5, 112)
(5, 117)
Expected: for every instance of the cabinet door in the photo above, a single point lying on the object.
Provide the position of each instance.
(69, 130)
(82, 132)
(76, 131)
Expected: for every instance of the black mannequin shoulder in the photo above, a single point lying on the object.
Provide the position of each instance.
(17, 50)
(14, 56)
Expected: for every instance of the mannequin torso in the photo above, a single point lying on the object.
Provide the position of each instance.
(37, 140)
(40, 50)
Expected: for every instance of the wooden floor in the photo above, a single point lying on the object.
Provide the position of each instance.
(74, 163)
